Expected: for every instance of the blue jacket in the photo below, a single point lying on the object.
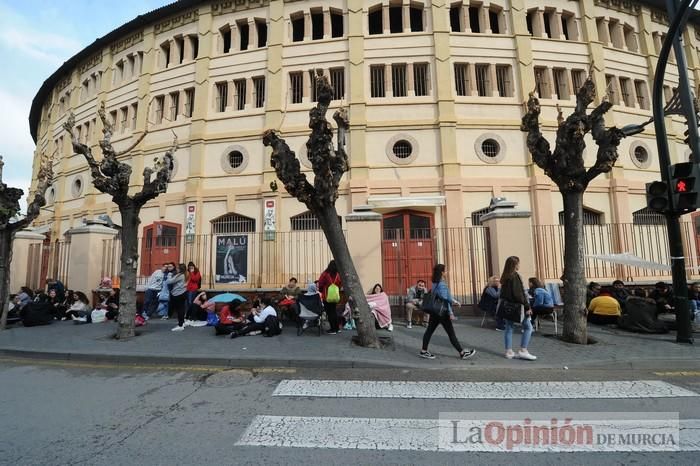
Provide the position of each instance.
(543, 298)
(440, 289)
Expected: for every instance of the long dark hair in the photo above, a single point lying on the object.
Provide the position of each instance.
(332, 268)
(81, 297)
(182, 268)
(381, 288)
(437, 273)
(191, 264)
(509, 268)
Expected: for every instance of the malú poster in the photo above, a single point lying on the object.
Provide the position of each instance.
(231, 259)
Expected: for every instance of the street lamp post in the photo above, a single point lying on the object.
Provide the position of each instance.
(679, 16)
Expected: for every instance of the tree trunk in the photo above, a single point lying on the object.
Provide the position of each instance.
(328, 218)
(127, 274)
(575, 313)
(6, 236)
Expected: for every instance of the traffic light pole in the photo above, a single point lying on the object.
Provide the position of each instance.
(679, 16)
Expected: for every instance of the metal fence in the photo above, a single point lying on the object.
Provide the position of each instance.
(649, 242)
(47, 260)
(237, 260)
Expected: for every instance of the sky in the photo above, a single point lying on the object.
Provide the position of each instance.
(36, 37)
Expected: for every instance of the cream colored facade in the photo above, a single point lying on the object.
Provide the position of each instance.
(462, 149)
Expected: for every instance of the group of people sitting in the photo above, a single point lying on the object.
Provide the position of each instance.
(41, 307)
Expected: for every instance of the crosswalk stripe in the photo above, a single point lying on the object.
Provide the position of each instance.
(387, 434)
(480, 390)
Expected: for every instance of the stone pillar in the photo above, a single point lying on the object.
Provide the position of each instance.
(465, 23)
(510, 234)
(406, 16)
(385, 18)
(364, 237)
(20, 258)
(85, 265)
(409, 77)
(493, 79)
(484, 23)
(307, 25)
(326, 23)
(538, 29)
(252, 35)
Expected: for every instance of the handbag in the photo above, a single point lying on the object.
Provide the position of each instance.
(509, 311)
(433, 304)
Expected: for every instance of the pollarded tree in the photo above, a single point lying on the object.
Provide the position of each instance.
(10, 224)
(329, 165)
(565, 167)
(110, 176)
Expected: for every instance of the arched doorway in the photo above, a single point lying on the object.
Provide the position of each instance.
(161, 243)
(407, 250)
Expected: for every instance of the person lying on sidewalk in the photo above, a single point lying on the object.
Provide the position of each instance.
(258, 320)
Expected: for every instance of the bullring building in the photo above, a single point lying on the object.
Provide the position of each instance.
(434, 91)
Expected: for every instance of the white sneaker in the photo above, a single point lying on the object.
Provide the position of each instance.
(198, 323)
(178, 329)
(510, 354)
(409, 325)
(390, 328)
(526, 355)
(164, 318)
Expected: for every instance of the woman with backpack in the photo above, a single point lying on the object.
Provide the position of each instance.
(445, 318)
(514, 308)
(329, 283)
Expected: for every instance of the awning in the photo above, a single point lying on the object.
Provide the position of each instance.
(380, 202)
(630, 259)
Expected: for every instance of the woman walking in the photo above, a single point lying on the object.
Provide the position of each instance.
(513, 292)
(440, 290)
(177, 296)
(330, 283)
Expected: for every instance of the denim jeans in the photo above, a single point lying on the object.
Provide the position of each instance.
(527, 332)
(150, 302)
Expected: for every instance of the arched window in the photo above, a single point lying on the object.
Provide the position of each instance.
(305, 221)
(590, 217)
(646, 216)
(232, 223)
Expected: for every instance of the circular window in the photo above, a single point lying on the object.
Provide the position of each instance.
(77, 187)
(402, 149)
(234, 159)
(490, 148)
(640, 154)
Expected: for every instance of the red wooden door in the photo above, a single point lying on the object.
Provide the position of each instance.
(161, 243)
(407, 250)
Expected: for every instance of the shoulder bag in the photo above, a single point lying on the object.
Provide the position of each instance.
(509, 311)
(433, 304)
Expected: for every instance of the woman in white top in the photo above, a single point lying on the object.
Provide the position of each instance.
(256, 319)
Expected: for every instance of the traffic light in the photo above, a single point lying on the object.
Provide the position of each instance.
(684, 181)
(657, 196)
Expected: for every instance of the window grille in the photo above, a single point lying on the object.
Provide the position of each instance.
(174, 104)
(296, 81)
(305, 222)
(377, 80)
(233, 223)
(646, 216)
(240, 85)
(482, 79)
(590, 217)
(542, 83)
(503, 80)
(626, 92)
(123, 115)
(221, 96)
(641, 90)
(490, 148)
(610, 89)
(189, 102)
(402, 149)
(560, 83)
(420, 79)
(312, 83)
(577, 78)
(235, 159)
(462, 79)
(398, 79)
(338, 83)
(134, 115)
(259, 87)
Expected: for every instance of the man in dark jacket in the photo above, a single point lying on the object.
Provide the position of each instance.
(37, 312)
(663, 296)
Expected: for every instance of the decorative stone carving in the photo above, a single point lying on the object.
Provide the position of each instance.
(126, 42)
(89, 63)
(221, 8)
(625, 6)
(177, 21)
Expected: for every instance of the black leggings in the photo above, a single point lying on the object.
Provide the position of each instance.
(447, 325)
(332, 315)
(177, 304)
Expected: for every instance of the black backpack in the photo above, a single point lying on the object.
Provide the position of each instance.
(272, 326)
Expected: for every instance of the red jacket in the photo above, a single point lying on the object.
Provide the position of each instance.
(194, 281)
(325, 280)
(225, 316)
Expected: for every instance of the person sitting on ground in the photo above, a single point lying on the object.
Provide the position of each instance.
(198, 310)
(489, 300)
(620, 293)
(109, 303)
(542, 302)
(58, 286)
(592, 291)
(288, 297)
(380, 307)
(639, 314)
(604, 309)
(37, 312)
(231, 318)
(56, 305)
(694, 301)
(663, 296)
(80, 309)
(24, 297)
(414, 301)
(258, 320)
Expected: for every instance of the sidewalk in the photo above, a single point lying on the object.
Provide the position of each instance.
(198, 346)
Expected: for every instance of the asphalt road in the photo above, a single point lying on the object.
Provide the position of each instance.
(55, 413)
